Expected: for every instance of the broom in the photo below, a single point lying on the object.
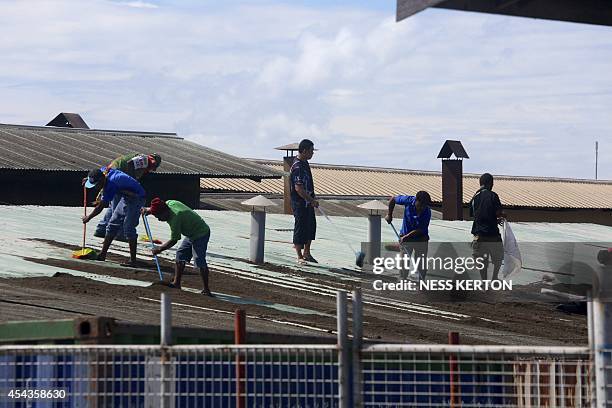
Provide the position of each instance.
(85, 253)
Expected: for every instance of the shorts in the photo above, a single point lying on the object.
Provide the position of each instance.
(305, 227)
(196, 249)
(125, 215)
(490, 246)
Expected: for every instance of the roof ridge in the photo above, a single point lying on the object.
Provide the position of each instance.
(68, 129)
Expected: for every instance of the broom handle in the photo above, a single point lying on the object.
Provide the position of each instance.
(336, 228)
(85, 213)
(148, 229)
(394, 230)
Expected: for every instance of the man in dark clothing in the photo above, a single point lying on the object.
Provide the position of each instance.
(486, 209)
(303, 202)
(414, 235)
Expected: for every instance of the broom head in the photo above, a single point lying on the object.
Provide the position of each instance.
(156, 241)
(85, 253)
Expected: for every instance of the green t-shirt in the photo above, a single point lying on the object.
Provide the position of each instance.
(123, 163)
(184, 221)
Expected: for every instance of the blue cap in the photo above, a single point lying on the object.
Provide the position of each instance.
(93, 177)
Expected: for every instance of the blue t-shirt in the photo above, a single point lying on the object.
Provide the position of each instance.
(412, 220)
(300, 174)
(117, 181)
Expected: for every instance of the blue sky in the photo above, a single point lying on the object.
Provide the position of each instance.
(526, 97)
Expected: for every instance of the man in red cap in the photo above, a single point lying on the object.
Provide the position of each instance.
(183, 221)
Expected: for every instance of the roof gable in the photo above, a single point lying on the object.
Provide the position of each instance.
(70, 120)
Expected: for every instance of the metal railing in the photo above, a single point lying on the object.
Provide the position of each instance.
(299, 375)
(177, 376)
(342, 375)
(477, 376)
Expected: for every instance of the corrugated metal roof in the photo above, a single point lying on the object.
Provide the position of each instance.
(518, 191)
(66, 149)
(340, 207)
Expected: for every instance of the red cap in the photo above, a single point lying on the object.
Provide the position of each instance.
(158, 206)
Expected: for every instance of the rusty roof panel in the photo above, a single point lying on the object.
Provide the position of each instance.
(53, 148)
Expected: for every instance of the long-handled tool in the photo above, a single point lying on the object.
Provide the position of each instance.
(146, 224)
(84, 253)
(401, 247)
(359, 255)
(395, 230)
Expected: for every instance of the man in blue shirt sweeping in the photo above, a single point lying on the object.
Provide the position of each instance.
(126, 212)
(414, 234)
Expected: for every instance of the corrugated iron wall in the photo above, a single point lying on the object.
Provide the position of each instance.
(63, 188)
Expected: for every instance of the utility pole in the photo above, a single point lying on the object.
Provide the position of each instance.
(596, 154)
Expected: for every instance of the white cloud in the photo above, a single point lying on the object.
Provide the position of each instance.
(280, 126)
(246, 77)
(140, 4)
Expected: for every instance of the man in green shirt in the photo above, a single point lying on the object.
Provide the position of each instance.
(135, 165)
(183, 221)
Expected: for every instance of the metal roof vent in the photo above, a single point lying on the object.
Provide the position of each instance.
(452, 179)
(451, 147)
(69, 120)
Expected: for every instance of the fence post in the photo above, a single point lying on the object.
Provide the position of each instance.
(357, 346)
(166, 319)
(165, 341)
(240, 338)
(602, 331)
(343, 357)
(453, 338)
(600, 310)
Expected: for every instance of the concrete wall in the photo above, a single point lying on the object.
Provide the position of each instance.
(63, 188)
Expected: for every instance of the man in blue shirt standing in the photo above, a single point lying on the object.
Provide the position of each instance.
(414, 234)
(126, 212)
(303, 202)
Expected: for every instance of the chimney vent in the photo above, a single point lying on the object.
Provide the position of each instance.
(70, 120)
(452, 179)
(288, 159)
